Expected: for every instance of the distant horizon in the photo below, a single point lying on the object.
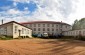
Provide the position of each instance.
(42, 10)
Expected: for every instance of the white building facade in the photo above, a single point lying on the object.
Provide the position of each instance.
(74, 33)
(51, 27)
(15, 30)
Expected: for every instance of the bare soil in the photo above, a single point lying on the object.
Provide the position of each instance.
(42, 47)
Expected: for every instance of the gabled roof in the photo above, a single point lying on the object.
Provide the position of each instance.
(14, 22)
(52, 22)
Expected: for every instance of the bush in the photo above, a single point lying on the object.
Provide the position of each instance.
(82, 38)
(4, 37)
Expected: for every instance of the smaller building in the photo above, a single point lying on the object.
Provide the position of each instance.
(74, 32)
(15, 30)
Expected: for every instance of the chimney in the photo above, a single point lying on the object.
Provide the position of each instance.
(2, 21)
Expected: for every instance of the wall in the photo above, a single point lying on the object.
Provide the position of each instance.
(6, 29)
(75, 33)
(57, 28)
(23, 31)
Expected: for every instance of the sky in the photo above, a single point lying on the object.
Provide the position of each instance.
(42, 10)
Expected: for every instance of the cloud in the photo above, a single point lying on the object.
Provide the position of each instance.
(15, 4)
(53, 10)
(13, 11)
(22, 1)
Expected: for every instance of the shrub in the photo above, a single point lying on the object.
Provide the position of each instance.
(82, 38)
(4, 37)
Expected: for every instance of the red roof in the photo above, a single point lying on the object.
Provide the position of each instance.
(52, 22)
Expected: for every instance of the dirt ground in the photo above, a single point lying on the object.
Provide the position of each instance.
(42, 47)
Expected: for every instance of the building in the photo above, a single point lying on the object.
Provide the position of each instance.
(74, 32)
(15, 30)
(51, 27)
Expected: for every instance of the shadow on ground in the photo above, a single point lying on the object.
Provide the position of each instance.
(64, 47)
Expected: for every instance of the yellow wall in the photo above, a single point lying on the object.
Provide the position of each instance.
(19, 27)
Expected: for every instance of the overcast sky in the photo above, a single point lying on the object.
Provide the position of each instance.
(49, 10)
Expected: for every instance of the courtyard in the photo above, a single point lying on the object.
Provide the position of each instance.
(42, 47)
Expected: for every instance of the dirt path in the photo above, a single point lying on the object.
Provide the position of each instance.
(41, 47)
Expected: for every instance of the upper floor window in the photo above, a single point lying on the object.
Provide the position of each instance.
(60, 25)
(56, 29)
(57, 25)
(38, 25)
(48, 29)
(43, 25)
(34, 29)
(30, 25)
(48, 25)
(52, 29)
(34, 25)
(66, 26)
(52, 25)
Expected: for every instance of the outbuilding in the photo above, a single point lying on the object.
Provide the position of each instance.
(15, 30)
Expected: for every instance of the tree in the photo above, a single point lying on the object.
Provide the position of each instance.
(79, 24)
(74, 26)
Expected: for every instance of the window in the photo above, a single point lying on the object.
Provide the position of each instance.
(43, 29)
(56, 25)
(52, 29)
(22, 30)
(61, 29)
(43, 25)
(56, 29)
(66, 26)
(28, 32)
(15, 29)
(38, 32)
(30, 25)
(5, 30)
(34, 29)
(34, 25)
(25, 31)
(38, 25)
(48, 29)
(48, 25)
(61, 26)
(38, 29)
(52, 25)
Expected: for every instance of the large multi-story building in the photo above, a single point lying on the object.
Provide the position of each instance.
(51, 27)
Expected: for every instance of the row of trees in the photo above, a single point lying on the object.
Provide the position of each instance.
(79, 24)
